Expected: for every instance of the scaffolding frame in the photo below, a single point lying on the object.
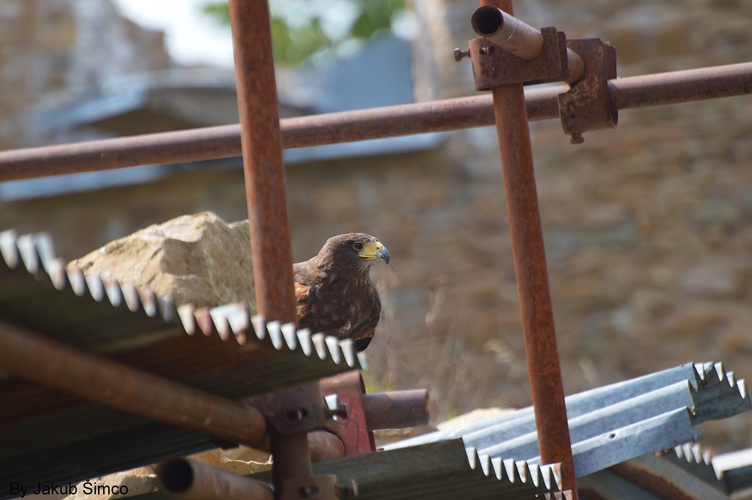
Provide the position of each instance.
(261, 136)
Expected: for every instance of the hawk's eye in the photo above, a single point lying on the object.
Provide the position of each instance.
(358, 246)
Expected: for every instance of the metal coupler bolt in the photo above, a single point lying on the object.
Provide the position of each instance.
(459, 54)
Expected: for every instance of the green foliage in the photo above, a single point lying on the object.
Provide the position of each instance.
(305, 29)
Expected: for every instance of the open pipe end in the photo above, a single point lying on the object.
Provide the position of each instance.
(175, 476)
(487, 20)
(507, 31)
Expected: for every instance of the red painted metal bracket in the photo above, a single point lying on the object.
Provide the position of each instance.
(353, 430)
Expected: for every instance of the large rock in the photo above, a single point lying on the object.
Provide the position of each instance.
(198, 259)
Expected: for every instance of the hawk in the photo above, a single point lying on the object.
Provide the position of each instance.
(334, 292)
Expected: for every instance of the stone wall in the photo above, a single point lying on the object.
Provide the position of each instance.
(53, 45)
(648, 227)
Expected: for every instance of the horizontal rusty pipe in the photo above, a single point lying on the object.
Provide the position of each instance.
(188, 480)
(396, 410)
(119, 386)
(348, 126)
(108, 154)
(680, 86)
(224, 141)
(653, 475)
(324, 445)
(518, 38)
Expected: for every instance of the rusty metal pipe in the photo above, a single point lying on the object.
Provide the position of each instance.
(396, 410)
(532, 280)
(516, 37)
(224, 141)
(532, 276)
(325, 445)
(290, 456)
(262, 160)
(507, 32)
(119, 386)
(680, 86)
(299, 132)
(267, 205)
(188, 480)
(108, 154)
(390, 121)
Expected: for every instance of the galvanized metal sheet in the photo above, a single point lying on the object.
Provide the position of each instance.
(615, 423)
(698, 462)
(685, 472)
(736, 471)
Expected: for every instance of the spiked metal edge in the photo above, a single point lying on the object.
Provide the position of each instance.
(35, 252)
(713, 384)
(516, 472)
(694, 454)
(702, 391)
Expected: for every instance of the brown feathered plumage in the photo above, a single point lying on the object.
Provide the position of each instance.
(334, 292)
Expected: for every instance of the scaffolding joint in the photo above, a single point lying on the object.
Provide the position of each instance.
(493, 65)
(510, 52)
(586, 105)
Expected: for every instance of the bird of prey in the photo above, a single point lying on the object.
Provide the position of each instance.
(334, 292)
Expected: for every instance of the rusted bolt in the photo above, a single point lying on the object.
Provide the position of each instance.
(576, 138)
(297, 415)
(459, 54)
(334, 408)
(309, 490)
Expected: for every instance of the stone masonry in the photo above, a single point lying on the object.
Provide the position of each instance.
(47, 46)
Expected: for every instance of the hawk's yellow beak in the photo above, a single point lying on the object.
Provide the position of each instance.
(375, 250)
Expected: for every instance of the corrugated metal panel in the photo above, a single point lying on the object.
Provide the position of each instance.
(615, 423)
(736, 470)
(445, 470)
(418, 472)
(685, 472)
(610, 425)
(47, 435)
(694, 460)
(442, 470)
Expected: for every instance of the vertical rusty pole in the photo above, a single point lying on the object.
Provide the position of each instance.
(262, 159)
(267, 204)
(532, 277)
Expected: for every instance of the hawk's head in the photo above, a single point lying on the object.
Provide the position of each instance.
(354, 251)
